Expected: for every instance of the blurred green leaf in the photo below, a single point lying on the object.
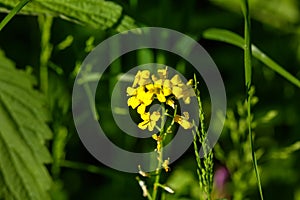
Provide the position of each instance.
(23, 133)
(234, 39)
(184, 183)
(282, 14)
(96, 13)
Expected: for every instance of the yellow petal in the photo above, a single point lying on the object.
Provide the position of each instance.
(162, 73)
(155, 137)
(144, 78)
(167, 91)
(186, 115)
(187, 100)
(151, 125)
(140, 90)
(177, 118)
(177, 91)
(161, 97)
(154, 78)
(165, 165)
(158, 83)
(167, 87)
(133, 102)
(145, 116)
(143, 125)
(190, 82)
(185, 124)
(176, 80)
(147, 102)
(155, 116)
(141, 109)
(145, 74)
(182, 120)
(144, 96)
(131, 91)
(171, 103)
(136, 79)
(150, 87)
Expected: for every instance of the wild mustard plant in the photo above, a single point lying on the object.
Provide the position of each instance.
(147, 89)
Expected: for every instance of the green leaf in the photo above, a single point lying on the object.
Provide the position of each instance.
(276, 13)
(234, 39)
(96, 13)
(23, 133)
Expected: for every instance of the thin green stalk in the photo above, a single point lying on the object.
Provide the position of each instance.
(248, 77)
(45, 23)
(199, 165)
(88, 168)
(205, 169)
(144, 188)
(234, 39)
(160, 155)
(12, 13)
(157, 178)
(91, 100)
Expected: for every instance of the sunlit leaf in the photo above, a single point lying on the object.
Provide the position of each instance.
(23, 133)
(96, 13)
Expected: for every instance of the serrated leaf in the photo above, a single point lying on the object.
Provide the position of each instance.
(96, 13)
(23, 133)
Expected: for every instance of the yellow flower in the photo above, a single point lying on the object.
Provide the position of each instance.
(162, 74)
(139, 98)
(163, 82)
(180, 90)
(146, 87)
(157, 90)
(141, 78)
(183, 120)
(149, 120)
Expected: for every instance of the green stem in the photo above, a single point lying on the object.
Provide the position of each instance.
(199, 165)
(248, 76)
(160, 155)
(205, 169)
(157, 178)
(45, 23)
(12, 13)
(234, 39)
(88, 168)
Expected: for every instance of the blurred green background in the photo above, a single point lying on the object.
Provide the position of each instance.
(275, 30)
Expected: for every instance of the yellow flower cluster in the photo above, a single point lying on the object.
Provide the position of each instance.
(147, 87)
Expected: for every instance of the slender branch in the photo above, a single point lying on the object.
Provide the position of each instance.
(45, 23)
(248, 77)
(12, 13)
(88, 168)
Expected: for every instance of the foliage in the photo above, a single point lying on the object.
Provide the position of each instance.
(100, 14)
(23, 135)
(48, 42)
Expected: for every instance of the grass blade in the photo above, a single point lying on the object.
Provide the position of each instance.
(248, 84)
(12, 13)
(234, 39)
